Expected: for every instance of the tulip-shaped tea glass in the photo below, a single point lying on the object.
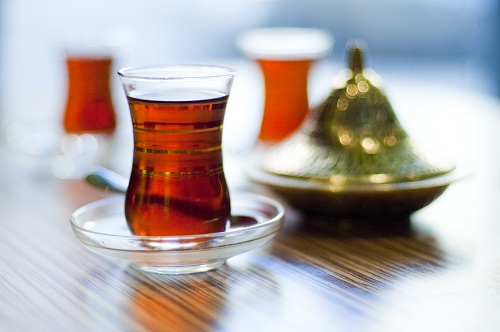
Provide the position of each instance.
(79, 136)
(177, 183)
(89, 106)
(285, 56)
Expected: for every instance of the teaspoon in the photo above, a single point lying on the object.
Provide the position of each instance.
(105, 178)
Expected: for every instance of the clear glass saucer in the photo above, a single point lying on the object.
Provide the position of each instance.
(101, 227)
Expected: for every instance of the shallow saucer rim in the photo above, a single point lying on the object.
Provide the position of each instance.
(276, 219)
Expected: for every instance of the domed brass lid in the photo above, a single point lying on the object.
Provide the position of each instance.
(354, 137)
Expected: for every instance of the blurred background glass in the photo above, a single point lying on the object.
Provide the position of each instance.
(451, 42)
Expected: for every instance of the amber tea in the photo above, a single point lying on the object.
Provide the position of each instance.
(286, 103)
(177, 185)
(89, 104)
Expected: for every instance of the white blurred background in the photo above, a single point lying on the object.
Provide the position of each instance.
(448, 42)
(460, 35)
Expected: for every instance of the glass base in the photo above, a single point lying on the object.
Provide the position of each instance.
(182, 269)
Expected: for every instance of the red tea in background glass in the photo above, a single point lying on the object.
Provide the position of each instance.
(286, 103)
(89, 104)
(177, 183)
(285, 56)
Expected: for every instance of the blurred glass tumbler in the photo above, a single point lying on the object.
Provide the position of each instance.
(177, 184)
(285, 56)
(89, 105)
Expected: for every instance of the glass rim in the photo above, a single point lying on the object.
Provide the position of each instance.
(276, 218)
(285, 43)
(176, 72)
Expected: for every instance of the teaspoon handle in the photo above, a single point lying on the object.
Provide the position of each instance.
(107, 179)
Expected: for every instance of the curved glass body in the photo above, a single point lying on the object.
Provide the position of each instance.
(177, 184)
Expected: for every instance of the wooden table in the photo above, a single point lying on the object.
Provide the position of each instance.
(437, 271)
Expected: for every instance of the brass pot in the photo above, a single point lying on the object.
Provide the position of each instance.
(352, 158)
